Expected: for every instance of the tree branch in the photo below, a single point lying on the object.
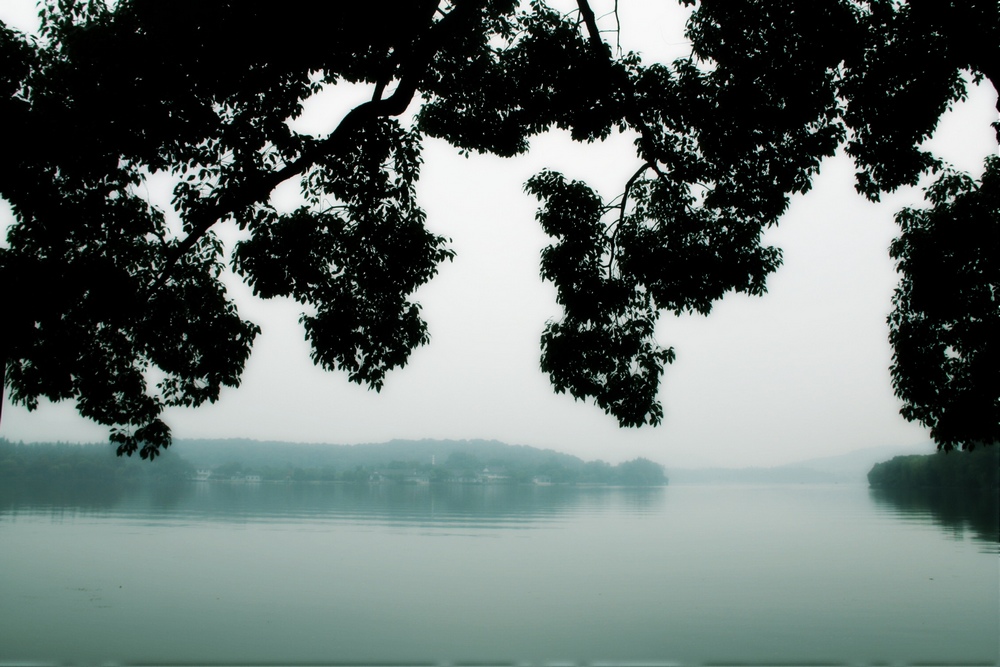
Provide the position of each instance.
(632, 114)
(621, 212)
(628, 187)
(590, 20)
(258, 187)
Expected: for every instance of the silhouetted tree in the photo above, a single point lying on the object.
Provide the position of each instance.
(945, 325)
(118, 304)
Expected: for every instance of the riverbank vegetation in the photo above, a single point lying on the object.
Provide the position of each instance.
(978, 469)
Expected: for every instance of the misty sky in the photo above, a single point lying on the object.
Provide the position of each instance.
(798, 373)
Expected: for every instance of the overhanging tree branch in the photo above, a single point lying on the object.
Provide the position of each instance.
(632, 113)
(258, 187)
(217, 111)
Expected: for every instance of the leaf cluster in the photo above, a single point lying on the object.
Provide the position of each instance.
(945, 322)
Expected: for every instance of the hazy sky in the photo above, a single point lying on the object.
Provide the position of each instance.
(798, 373)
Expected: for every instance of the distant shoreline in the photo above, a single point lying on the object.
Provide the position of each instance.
(394, 462)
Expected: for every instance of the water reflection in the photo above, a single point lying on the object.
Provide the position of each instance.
(384, 504)
(300, 573)
(960, 512)
(77, 495)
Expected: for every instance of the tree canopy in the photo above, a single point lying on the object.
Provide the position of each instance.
(119, 304)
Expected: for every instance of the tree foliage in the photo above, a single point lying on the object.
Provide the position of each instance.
(119, 304)
(979, 471)
(945, 323)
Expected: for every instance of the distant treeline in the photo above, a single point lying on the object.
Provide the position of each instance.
(60, 461)
(426, 461)
(979, 469)
(465, 468)
(411, 460)
(259, 455)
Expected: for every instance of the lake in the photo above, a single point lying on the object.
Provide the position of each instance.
(328, 573)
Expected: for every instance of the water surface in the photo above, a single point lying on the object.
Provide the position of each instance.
(320, 573)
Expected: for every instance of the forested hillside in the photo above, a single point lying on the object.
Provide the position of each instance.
(60, 461)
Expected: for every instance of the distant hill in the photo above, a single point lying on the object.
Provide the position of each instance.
(775, 475)
(407, 461)
(259, 454)
(850, 468)
(854, 466)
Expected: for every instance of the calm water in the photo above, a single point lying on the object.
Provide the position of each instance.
(271, 573)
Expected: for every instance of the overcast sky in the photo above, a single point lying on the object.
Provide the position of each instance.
(799, 373)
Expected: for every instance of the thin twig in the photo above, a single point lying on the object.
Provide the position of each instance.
(618, 30)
